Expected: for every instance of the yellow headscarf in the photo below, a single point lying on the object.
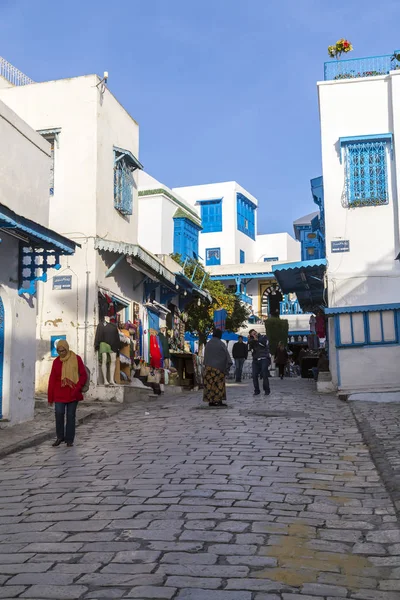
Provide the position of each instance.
(70, 370)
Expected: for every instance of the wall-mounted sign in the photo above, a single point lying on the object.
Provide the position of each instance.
(53, 343)
(62, 282)
(340, 246)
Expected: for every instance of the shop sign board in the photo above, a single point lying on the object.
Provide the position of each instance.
(340, 246)
(62, 282)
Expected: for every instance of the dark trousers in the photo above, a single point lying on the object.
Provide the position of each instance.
(260, 367)
(281, 370)
(239, 362)
(65, 432)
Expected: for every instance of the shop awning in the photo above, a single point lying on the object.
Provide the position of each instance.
(305, 279)
(191, 287)
(138, 258)
(33, 234)
(339, 310)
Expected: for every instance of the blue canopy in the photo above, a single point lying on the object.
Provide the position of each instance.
(305, 279)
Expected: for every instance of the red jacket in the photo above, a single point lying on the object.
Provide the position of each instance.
(56, 393)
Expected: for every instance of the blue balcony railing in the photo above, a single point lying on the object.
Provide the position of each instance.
(245, 298)
(353, 68)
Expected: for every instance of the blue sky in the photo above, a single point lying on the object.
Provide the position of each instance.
(222, 89)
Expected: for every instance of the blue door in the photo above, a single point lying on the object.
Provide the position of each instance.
(1, 355)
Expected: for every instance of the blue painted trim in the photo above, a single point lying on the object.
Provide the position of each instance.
(210, 201)
(244, 275)
(132, 159)
(367, 308)
(214, 260)
(303, 332)
(378, 137)
(351, 329)
(242, 258)
(304, 264)
(35, 232)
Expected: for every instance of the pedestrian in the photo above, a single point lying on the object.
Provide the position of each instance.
(259, 346)
(281, 358)
(67, 378)
(239, 353)
(217, 363)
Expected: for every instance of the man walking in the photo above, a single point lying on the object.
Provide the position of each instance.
(239, 353)
(259, 345)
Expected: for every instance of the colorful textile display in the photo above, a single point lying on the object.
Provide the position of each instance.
(220, 319)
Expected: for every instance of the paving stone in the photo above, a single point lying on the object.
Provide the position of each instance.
(52, 592)
(152, 592)
(11, 591)
(48, 578)
(200, 558)
(191, 594)
(207, 583)
(324, 590)
(11, 569)
(107, 594)
(226, 549)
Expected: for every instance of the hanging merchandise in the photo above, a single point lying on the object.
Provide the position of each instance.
(220, 319)
(320, 325)
(155, 351)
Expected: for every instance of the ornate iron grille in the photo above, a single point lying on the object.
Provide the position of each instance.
(33, 266)
(123, 186)
(366, 173)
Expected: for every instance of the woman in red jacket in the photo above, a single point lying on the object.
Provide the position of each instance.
(67, 378)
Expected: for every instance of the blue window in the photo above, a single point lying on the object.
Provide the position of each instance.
(186, 238)
(124, 166)
(246, 215)
(242, 256)
(271, 259)
(211, 215)
(366, 177)
(213, 256)
(367, 328)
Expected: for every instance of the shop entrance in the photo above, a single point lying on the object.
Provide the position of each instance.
(270, 301)
(1, 355)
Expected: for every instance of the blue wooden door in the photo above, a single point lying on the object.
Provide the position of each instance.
(1, 355)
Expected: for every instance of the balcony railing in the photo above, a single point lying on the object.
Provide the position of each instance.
(245, 298)
(12, 74)
(354, 68)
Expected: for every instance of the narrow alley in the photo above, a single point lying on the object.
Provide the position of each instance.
(271, 499)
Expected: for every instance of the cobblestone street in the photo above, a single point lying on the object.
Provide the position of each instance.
(272, 499)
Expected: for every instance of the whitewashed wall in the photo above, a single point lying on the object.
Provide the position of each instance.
(82, 206)
(24, 167)
(280, 245)
(368, 274)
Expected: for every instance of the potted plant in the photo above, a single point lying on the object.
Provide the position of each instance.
(341, 46)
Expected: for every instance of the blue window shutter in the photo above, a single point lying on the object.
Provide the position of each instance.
(242, 257)
(213, 256)
(211, 216)
(186, 238)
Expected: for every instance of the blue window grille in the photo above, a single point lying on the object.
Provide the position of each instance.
(186, 238)
(367, 328)
(366, 177)
(242, 256)
(124, 184)
(246, 215)
(213, 256)
(211, 215)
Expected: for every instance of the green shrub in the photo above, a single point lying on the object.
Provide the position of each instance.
(277, 331)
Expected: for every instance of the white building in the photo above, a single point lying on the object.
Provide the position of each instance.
(360, 128)
(168, 224)
(29, 252)
(93, 200)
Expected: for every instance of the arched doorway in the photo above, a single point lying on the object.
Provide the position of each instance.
(1, 354)
(270, 300)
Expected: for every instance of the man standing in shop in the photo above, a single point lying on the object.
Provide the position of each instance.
(259, 346)
(239, 353)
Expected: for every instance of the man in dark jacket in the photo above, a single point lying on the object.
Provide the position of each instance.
(259, 345)
(239, 353)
